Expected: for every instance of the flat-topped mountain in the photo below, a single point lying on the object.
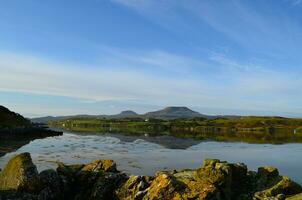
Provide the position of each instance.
(173, 113)
(9, 119)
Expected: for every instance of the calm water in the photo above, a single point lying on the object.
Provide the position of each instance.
(145, 155)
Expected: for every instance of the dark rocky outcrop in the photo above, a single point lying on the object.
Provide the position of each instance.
(16, 131)
(9, 119)
(215, 180)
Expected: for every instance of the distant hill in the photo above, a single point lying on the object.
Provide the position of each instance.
(167, 113)
(174, 113)
(124, 114)
(52, 119)
(9, 119)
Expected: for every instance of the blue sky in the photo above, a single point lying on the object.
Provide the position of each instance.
(104, 56)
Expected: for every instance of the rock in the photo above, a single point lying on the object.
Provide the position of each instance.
(164, 186)
(268, 171)
(215, 180)
(52, 185)
(295, 197)
(68, 170)
(284, 187)
(101, 165)
(134, 188)
(95, 180)
(20, 174)
(267, 176)
(231, 179)
(106, 185)
(270, 184)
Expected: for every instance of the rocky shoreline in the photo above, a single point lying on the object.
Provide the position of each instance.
(100, 179)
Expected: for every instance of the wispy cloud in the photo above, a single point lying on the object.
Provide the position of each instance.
(233, 84)
(254, 29)
(151, 59)
(41, 76)
(220, 55)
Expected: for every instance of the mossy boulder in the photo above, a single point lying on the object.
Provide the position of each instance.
(134, 188)
(164, 186)
(231, 179)
(20, 174)
(100, 165)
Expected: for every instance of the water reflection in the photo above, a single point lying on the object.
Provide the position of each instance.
(10, 145)
(146, 155)
(166, 141)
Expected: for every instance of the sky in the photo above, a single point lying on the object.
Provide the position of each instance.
(69, 57)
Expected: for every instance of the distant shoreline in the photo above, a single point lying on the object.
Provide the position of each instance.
(245, 129)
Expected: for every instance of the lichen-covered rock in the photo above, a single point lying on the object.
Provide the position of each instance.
(196, 188)
(103, 165)
(164, 186)
(134, 188)
(282, 188)
(231, 179)
(20, 174)
(100, 180)
(270, 184)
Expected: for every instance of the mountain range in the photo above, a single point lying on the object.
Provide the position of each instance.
(168, 113)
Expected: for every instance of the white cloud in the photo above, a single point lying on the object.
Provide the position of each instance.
(254, 29)
(41, 76)
(124, 77)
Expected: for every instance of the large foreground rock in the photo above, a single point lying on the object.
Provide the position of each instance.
(215, 180)
(20, 174)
